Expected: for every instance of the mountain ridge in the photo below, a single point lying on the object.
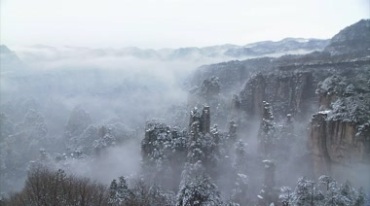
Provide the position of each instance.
(222, 52)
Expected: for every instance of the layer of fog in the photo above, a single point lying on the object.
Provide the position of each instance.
(100, 83)
(111, 89)
(123, 160)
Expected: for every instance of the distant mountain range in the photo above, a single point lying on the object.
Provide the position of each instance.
(354, 40)
(265, 48)
(8, 59)
(350, 44)
(218, 53)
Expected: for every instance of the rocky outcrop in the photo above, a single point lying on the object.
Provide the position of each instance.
(333, 85)
(320, 156)
(335, 143)
(200, 120)
(288, 92)
(353, 40)
(338, 133)
(303, 88)
(231, 75)
(267, 131)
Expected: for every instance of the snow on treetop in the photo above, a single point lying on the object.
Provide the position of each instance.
(268, 163)
(351, 109)
(324, 112)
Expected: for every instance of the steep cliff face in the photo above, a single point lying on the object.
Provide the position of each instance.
(330, 88)
(342, 145)
(232, 75)
(317, 143)
(288, 91)
(335, 143)
(339, 134)
(341, 94)
(303, 89)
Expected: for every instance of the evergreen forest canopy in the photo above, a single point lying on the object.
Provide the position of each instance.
(289, 130)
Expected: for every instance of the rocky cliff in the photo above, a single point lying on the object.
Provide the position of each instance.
(289, 93)
(353, 40)
(338, 94)
(329, 91)
(343, 122)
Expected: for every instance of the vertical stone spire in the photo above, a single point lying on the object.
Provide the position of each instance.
(266, 133)
(206, 120)
(202, 119)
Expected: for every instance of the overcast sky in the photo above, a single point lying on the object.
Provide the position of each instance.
(172, 23)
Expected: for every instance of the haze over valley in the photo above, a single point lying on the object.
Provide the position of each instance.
(278, 121)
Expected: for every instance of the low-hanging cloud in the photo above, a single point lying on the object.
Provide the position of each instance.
(122, 160)
(109, 87)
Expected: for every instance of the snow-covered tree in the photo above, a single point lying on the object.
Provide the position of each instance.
(113, 194)
(307, 193)
(325, 180)
(304, 193)
(343, 195)
(46, 187)
(124, 193)
(164, 151)
(106, 139)
(196, 188)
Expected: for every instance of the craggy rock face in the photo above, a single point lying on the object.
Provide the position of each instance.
(327, 92)
(338, 94)
(317, 143)
(351, 40)
(288, 92)
(335, 142)
(342, 145)
(339, 135)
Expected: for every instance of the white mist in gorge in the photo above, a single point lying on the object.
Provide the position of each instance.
(184, 103)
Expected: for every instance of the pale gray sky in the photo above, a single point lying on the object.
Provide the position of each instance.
(172, 23)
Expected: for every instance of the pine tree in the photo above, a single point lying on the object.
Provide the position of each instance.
(360, 200)
(303, 193)
(307, 194)
(123, 192)
(196, 188)
(113, 194)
